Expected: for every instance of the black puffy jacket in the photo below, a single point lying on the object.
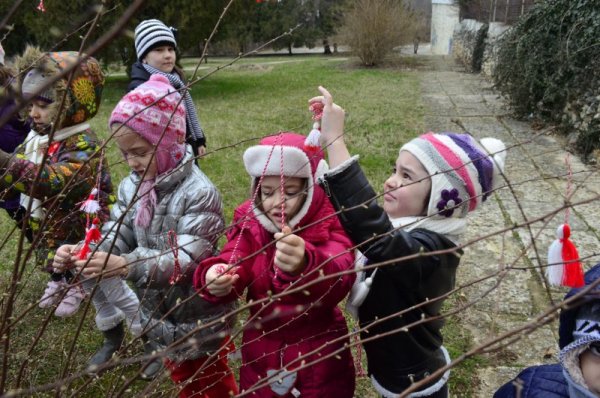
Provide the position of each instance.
(402, 356)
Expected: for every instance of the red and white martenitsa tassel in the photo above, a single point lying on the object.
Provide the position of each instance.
(91, 204)
(564, 267)
(92, 235)
(312, 142)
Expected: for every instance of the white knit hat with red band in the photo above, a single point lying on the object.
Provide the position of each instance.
(285, 154)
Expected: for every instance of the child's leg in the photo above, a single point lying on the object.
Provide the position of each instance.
(107, 314)
(109, 320)
(214, 380)
(126, 300)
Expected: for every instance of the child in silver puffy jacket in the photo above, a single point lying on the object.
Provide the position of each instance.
(167, 218)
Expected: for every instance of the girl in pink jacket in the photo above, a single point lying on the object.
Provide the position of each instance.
(293, 343)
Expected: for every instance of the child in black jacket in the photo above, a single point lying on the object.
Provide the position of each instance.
(438, 179)
(155, 47)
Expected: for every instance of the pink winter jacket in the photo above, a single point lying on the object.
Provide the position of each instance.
(280, 331)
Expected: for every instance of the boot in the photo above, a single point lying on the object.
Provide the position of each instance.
(153, 367)
(113, 339)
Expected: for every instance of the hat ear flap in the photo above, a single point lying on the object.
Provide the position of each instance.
(322, 168)
(497, 151)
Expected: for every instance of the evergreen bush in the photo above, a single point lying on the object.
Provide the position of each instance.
(549, 61)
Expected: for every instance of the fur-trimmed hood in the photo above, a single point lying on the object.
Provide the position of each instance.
(83, 94)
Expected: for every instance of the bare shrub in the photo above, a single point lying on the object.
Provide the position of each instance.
(372, 28)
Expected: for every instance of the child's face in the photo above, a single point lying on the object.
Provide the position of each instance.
(589, 361)
(270, 197)
(137, 151)
(408, 188)
(162, 58)
(39, 111)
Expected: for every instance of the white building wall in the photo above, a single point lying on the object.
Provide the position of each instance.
(444, 17)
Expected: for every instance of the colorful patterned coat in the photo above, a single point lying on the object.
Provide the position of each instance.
(66, 180)
(69, 173)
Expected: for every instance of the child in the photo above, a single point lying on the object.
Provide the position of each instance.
(285, 333)
(71, 168)
(12, 134)
(175, 220)
(437, 180)
(156, 47)
(578, 373)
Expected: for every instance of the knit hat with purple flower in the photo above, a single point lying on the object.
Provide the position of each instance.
(463, 171)
(147, 110)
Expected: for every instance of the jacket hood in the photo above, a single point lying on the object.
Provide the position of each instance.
(567, 320)
(83, 95)
(286, 154)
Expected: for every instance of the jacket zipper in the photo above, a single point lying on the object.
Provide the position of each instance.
(333, 199)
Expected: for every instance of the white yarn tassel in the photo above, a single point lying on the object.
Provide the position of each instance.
(554, 271)
(361, 287)
(314, 137)
(91, 205)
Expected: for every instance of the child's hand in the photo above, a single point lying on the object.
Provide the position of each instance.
(64, 257)
(332, 122)
(94, 265)
(289, 256)
(219, 282)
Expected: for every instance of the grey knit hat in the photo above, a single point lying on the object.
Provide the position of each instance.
(151, 33)
(34, 80)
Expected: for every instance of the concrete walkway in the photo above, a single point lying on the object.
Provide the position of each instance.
(535, 160)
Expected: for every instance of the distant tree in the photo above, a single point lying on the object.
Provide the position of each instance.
(317, 19)
(61, 27)
(373, 28)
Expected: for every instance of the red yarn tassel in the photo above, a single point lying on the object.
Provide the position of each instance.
(573, 272)
(564, 267)
(92, 235)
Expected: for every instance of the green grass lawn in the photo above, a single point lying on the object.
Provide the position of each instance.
(237, 105)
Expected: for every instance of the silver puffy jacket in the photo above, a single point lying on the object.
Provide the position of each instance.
(189, 204)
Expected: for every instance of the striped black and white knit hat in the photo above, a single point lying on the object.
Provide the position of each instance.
(151, 33)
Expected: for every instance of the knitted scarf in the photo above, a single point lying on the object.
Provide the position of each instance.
(35, 145)
(451, 227)
(191, 115)
(148, 198)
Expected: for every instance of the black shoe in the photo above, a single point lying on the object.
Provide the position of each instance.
(113, 340)
(152, 368)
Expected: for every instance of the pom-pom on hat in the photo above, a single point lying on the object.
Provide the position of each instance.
(463, 172)
(150, 34)
(153, 107)
(285, 154)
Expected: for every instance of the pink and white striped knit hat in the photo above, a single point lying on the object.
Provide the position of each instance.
(463, 171)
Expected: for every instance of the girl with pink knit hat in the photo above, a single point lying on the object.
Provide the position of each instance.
(437, 180)
(280, 243)
(167, 218)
